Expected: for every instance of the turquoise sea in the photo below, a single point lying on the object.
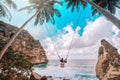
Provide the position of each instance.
(74, 70)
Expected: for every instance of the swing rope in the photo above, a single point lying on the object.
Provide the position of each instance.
(71, 40)
(73, 36)
(52, 42)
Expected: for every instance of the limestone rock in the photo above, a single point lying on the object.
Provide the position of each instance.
(24, 43)
(108, 65)
(35, 76)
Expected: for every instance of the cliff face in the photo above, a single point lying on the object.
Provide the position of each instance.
(108, 65)
(24, 43)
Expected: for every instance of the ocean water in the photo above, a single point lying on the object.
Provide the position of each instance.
(73, 70)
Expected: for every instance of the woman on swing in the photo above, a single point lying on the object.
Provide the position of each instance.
(62, 62)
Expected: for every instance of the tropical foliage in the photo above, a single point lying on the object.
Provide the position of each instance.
(45, 8)
(97, 7)
(4, 12)
(109, 5)
(75, 4)
(14, 65)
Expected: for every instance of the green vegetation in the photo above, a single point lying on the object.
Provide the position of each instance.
(14, 66)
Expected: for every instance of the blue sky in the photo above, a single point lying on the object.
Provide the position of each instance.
(76, 18)
(88, 31)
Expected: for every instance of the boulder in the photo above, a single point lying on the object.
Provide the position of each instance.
(108, 65)
(35, 76)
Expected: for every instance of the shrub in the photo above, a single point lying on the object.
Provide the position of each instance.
(14, 66)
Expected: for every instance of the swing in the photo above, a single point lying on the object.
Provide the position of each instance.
(63, 61)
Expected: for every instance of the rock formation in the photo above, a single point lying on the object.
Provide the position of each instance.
(36, 76)
(108, 65)
(24, 43)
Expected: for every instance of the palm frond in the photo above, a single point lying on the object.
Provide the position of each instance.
(47, 16)
(28, 7)
(41, 21)
(118, 6)
(111, 8)
(57, 12)
(11, 4)
(116, 3)
(83, 3)
(108, 4)
(55, 2)
(94, 12)
(75, 4)
(52, 20)
(69, 3)
(4, 12)
(37, 18)
(46, 10)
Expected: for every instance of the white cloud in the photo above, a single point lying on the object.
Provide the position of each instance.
(94, 31)
(85, 46)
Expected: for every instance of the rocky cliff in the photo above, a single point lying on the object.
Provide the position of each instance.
(24, 43)
(108, 65)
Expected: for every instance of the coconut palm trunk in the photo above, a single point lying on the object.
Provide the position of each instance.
(109, 16)
(14, 36)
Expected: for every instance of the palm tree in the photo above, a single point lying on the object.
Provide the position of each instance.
(4, 12)
(74, 4)
(109, 5)
(44, 12)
